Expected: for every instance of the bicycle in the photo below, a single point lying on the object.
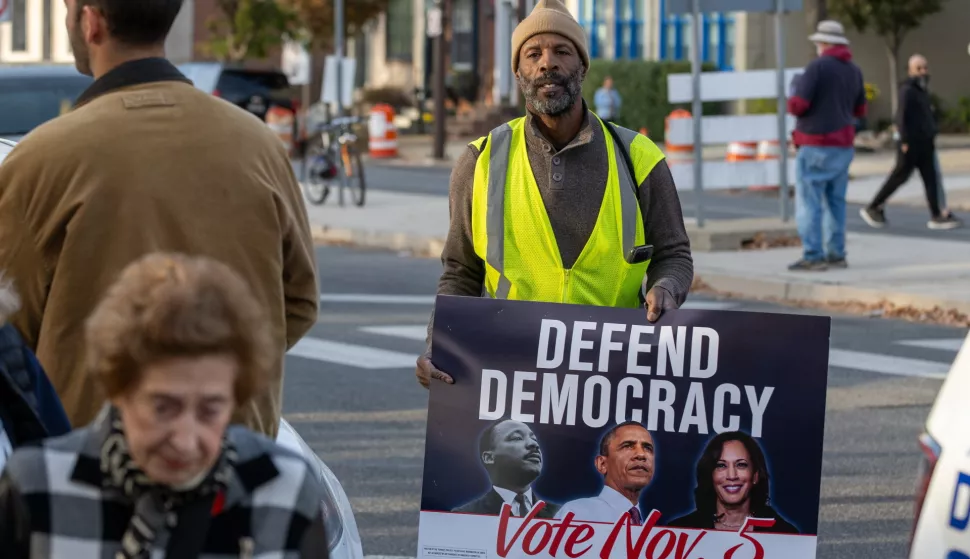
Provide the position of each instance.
(334, 158)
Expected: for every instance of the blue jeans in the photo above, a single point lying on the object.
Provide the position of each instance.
(822, 179)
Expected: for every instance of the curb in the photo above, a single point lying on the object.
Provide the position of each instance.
(418, 245)
(409, 163)
(792, 291)
(727, 284)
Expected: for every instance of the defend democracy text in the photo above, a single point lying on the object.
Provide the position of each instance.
(591, 347)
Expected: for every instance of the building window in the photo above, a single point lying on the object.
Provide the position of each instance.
(22, 37)
(463, 35)
(628, 34)
(717, 38)
(400, 30)
(593, 18)
(18, 29)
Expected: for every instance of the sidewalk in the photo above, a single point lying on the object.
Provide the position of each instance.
(905, 271)
(868, 170)
(923, 273)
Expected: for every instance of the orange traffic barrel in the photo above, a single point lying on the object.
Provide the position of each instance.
(677, 153)
(382, 132)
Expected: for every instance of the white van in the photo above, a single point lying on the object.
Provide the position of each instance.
(942, 520)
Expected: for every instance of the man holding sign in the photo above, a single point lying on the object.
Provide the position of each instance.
(560, 206)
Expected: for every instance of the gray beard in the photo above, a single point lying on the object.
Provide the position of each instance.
(557, 106)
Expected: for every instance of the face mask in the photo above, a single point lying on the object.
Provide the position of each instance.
(924, 81)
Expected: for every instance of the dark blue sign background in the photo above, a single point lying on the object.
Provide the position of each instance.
(787, 352)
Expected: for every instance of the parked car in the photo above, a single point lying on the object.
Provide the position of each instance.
(5, 147)
(343, 538)
(264, 93)
(33, 94)
(253, 90)
(942, 513)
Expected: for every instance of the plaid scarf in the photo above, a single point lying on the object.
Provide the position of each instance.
(152, 501)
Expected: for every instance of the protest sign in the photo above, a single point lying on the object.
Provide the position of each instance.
(563, 417)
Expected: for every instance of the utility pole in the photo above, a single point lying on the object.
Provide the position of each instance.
(438, 32)
(339, 51)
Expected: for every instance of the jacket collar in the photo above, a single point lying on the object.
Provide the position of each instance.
(131, 73)
(253, 468)
(840, 52)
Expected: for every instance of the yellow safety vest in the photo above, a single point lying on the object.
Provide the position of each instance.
(513, 236)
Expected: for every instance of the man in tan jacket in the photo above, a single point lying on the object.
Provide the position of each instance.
(146, 162)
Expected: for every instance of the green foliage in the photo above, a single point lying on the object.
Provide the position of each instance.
(890, 19)
(249, 29)
(766, 106)
(951, 120)
(642, 85)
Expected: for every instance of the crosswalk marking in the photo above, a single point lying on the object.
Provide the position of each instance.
(887, 364)
(378, 299)
(373, 358)
(364, 357)
(417, 332)
(950, 344)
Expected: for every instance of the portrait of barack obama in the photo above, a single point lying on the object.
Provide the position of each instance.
(510, 452)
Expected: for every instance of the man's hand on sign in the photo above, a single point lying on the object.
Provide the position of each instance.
(427, 371)
(658, 301)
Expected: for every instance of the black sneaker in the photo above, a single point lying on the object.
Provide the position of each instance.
(874, 217)
(948, 222)
(809, 266)
(837, 262)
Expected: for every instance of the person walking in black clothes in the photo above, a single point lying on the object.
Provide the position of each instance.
(916, 150)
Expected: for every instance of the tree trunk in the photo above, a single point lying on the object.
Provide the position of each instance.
(816, 11)
(892, 49)
(821, 11)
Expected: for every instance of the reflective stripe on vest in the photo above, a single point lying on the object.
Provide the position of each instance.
(503, 174)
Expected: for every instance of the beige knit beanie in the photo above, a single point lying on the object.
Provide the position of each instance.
(549, 16)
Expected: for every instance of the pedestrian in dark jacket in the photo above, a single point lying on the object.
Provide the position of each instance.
(29, 407)
(915, 150)
(177, 345)
(828, 97)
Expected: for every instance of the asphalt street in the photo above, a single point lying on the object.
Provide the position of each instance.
(903, 220)
(350, 391)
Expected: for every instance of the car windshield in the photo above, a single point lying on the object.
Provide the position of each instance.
(26, 103)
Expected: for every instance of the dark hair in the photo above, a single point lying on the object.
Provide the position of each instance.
(136, 22)
(608, 436)
(704, 495)
(485, 442)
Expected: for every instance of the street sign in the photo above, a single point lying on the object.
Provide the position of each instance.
(434, 22)
(295, 63)
(6, 10)
(348, 70)
(708, 6)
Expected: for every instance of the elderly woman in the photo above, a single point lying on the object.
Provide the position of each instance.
(178, 344)
(732, 485)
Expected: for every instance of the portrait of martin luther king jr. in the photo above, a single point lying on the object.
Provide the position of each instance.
(510, 452)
